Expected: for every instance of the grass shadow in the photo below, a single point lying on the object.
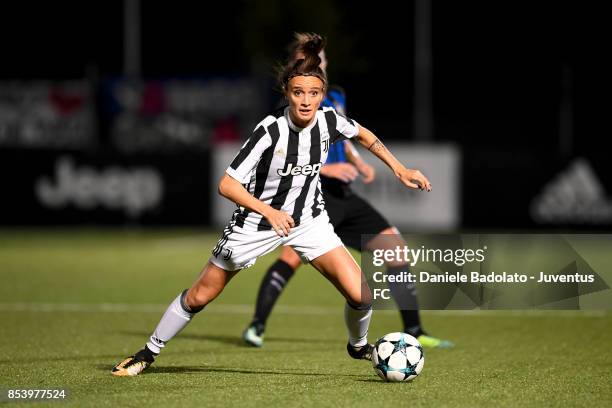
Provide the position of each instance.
(81, 357)
(212, 369)
(379, 381)
(235, 340)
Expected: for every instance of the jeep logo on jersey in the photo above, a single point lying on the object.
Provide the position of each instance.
(306, 170)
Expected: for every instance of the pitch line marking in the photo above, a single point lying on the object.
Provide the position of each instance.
(241, 309)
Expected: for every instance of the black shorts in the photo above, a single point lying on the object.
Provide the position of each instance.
(352, 216)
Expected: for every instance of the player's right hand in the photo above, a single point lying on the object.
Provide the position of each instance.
(280, 221)
(341, 171)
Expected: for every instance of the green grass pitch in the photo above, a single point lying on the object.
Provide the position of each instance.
(75, 302)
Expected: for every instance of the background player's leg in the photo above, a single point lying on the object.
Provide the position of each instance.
(341, 269)
(404, 294)
(270, 289)
(363, 218)
(274, 282)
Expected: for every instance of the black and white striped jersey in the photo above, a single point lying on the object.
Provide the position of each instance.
(280, 163)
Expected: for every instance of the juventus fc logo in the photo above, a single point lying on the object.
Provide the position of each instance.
(325, 144)
(227, 254)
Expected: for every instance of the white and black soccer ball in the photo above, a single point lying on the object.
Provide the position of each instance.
(398, 357)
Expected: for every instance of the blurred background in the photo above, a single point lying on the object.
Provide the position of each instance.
(127, 112)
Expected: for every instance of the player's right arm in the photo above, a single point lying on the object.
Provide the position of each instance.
(239, 173)
(231, 189)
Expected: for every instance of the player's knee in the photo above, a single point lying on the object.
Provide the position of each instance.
(392, 238)
(360, 305)
(197, 297)
(189, 303)
(361, 300)
(366, 297)
(396, 264)
(388, 239)
(291, 258)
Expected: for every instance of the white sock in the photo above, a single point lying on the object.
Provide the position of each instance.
(357, 323)
(172, 322)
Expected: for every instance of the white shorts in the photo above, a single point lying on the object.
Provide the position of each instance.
(239, 248)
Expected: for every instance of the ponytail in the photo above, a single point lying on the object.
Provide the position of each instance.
(304, 59)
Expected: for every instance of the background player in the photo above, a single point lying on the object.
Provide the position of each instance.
(350, 215)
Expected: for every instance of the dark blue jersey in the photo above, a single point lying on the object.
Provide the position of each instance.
(335, 99)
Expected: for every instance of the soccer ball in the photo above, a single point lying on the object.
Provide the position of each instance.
(398, 357)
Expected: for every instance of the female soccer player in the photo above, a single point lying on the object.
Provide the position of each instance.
(351, 216)
(274, 179)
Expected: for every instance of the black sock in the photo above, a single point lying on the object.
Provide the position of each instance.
(271, 287)
(412, 322)
(406, 298)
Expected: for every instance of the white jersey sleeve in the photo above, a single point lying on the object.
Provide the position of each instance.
(340, 127)
(346, 127)
(248, 157)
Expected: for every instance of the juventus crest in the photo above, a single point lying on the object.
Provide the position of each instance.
(325, 145)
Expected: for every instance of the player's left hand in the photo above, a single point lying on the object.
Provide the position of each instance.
(414, 179)
(368, 173)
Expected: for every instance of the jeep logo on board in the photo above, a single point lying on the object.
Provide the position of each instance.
(132, 191)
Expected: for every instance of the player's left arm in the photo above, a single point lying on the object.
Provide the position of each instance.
(352, 155)
(411, 178)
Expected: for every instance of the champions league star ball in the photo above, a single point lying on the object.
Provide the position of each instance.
(397, 357)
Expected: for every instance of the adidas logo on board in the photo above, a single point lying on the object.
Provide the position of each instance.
(575, 196)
